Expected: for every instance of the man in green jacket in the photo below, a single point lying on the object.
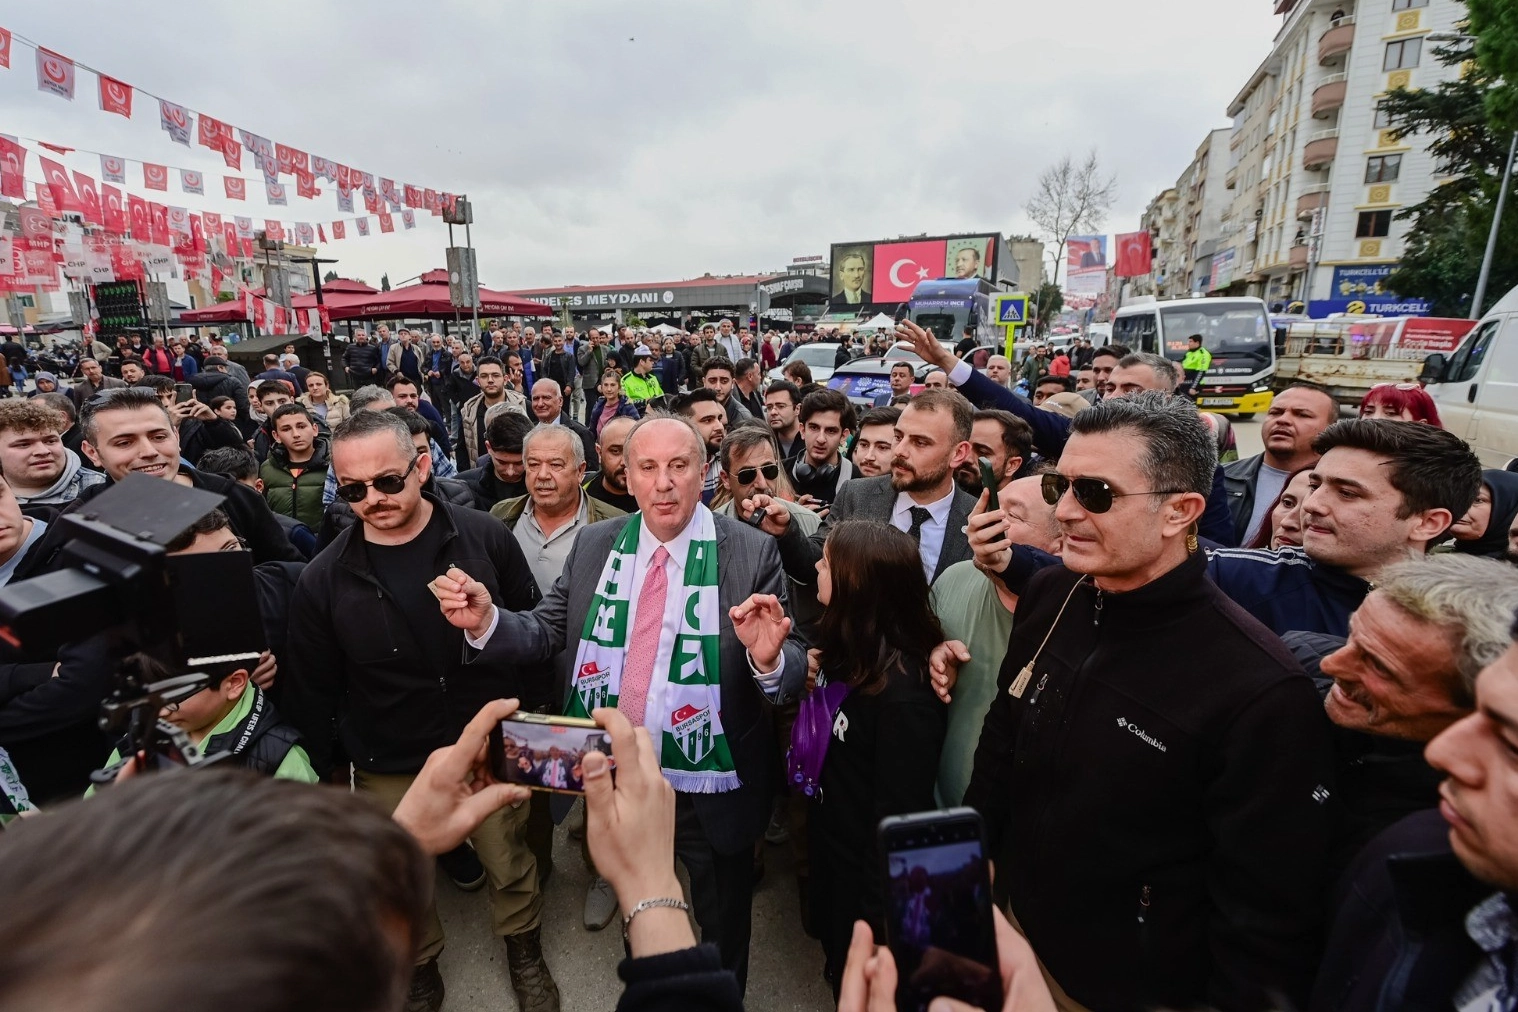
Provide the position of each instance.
(296, 468)
(1195, 365)
(640, 385)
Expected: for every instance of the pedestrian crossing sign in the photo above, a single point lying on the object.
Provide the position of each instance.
(1012, 310)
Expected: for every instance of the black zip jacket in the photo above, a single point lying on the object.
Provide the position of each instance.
(1158, 801)
(359, 688)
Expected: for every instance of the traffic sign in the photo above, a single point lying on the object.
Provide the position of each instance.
(1012, 310)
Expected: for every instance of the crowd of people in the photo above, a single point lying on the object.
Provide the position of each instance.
(1240, 731)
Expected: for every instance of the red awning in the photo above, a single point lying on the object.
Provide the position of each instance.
(347, 286)
(429, 298)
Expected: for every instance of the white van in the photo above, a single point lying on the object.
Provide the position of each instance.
(1476, 387)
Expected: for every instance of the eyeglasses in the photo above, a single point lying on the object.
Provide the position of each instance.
(746, 475)
(1093, 494)
(385, 484)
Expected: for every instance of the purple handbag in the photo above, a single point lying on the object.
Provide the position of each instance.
(810, 735)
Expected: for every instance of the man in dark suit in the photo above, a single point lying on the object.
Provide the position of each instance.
(851, 278)
(548, 409)
(919, 496)
(716, 828)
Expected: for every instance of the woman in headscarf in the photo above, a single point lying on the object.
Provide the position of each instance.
(1484, 529)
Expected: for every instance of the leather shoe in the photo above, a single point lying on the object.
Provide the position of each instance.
(600, 904)
(426, 991)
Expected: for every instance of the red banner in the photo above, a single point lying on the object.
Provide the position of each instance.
(158, 215)
(339, 230)
(305, 183)
(115, 96)
(387, 224)
(12, 169)
(1133, 254)
(5, 48)
(62, 189)
(89, 199)
(274, 230)
(140, 218)
(111, 209)
(231, 153)
(155, 177)
(237, 187)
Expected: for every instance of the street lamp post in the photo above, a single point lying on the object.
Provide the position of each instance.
(1507, 177)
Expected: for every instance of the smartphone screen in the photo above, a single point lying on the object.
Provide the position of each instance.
(543, 752)
(938, 909)
(183, 392)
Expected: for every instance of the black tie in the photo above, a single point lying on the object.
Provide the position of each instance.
(920, 516)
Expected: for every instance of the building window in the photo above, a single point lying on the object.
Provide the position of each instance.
(1383, 168)
(26, 302)
(1373, 224)
(1402, 55)
(1383, 117)
(1402, 5)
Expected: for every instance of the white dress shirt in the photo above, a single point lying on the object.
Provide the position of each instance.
(930, 541)
(674, 607)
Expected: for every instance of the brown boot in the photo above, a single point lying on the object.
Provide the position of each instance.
(530, 979)
(426, 991)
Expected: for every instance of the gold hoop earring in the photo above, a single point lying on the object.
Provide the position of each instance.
(1191, 542)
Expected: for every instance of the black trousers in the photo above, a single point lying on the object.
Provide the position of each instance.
(721, 889)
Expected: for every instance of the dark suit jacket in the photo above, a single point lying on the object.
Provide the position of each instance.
(587, 440)
(871, 499)
(747, 563)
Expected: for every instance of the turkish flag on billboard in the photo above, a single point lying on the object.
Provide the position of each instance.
(899, 266)
(89, 198)
(140, 218)
(155, 177)
(111, 209)
(55, 74)
(12, 169)
(62, 189)
(1133, 254)
(115, 96)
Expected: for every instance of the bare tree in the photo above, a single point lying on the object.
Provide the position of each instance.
(1071, 199)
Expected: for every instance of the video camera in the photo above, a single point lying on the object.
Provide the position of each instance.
(179, 623)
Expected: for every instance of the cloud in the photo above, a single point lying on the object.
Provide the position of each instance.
(604, 141)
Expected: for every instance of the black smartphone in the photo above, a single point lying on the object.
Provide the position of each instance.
(543, 752)
(938, 908)
(756, 518)
(988, 480)
(183, 392)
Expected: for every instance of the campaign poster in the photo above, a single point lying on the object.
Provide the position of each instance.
(1086, 265)
(970, 257)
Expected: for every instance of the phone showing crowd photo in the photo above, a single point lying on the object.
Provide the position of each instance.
(544, 752)
(938, 909)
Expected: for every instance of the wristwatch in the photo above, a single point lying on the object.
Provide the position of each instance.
(662, 901)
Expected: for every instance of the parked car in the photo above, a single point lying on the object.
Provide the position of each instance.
(818, 358)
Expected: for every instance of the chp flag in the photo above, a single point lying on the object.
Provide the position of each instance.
(1134, 256)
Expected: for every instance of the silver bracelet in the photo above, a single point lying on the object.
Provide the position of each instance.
(662, 901)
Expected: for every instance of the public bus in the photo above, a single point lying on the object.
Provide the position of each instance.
(1237, 331)
(947, 305)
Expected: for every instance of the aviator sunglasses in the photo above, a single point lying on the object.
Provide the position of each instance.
(385, 484)
(746, 475)
(1093, 494)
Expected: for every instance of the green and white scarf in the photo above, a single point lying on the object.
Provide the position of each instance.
(687, 735)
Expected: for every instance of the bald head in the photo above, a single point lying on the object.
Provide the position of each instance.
(663, 426)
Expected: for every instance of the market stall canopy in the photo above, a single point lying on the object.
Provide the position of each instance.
(429, 298)
(347, 286)
(880, 321)
(233, 312)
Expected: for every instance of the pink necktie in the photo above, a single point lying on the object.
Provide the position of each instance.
(638, 668)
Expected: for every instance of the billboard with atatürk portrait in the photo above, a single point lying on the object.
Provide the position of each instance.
(851, 275)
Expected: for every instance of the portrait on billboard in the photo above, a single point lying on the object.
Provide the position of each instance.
(851, 272)
(969, 258)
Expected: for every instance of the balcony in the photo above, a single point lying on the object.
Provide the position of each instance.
(1320, 149)
(1297, 259)
(1329, 95)
(1312, 198)
(1337, 41)
(1231, 180)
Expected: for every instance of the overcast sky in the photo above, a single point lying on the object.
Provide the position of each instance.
(654, 140)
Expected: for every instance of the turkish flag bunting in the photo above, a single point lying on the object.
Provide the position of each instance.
(429, 201)
(244, 227)
(344, 200)
(155, 177)
(284, 156)
(55, 74)
(388, 191)
(387, 223)
(371, 203)
(213, 133)
(139, 217)
(339, 230)
(344, 177)
(245, 246)
(115, 96)
(111, 209)
(229, 236)
(237, 187)
(124, 263)
(5, 48)
(1133, 255)
(321, 234)
(326, 168)
(62, 189)
(89, 198)
(12, 169)
(191, 181)
(158, 216)
(198, 234)
(274, 193)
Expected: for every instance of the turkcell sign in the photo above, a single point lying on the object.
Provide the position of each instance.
(1373, 305)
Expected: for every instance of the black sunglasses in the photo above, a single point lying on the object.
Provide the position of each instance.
(746, 475)
(1093, 494)
(386, 484)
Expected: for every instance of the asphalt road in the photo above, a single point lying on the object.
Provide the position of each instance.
(786, 968)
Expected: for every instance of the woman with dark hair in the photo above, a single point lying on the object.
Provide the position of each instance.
(882, 754)
(1484, 528)
(611, 403)
(1401, 402)
(1283, 524)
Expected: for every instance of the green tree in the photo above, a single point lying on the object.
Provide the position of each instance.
(329, 277)
(1495, 25)
(384, 282)
(1049, 302)
(1447, 239)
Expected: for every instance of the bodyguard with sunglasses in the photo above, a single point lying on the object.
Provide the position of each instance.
(378, 679)
(1155, 771)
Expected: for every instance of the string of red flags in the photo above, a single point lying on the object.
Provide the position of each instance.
(58, 75)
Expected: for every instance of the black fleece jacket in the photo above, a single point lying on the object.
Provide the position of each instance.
(1159, 797)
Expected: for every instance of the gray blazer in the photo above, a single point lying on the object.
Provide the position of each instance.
(871, 499)
(747, 563)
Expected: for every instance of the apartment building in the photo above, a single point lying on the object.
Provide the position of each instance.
(1316, 178)
(1204, 186)
(1162, 220)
